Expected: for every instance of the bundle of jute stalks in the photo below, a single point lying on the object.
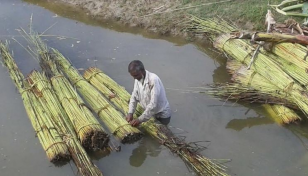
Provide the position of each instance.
(189, 153)
(254, 80)
(44, 92)
(53, 128)
(266, 64)
(114, 98)
(102, 81)
(111, 117)
(89, 131)
(49, 137)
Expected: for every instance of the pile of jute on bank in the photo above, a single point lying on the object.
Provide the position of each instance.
(270, 69)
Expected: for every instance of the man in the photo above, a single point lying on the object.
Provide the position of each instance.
(150, 93)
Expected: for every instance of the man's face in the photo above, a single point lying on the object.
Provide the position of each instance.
(136, 75)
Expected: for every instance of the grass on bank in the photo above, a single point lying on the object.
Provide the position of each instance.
(246, 14)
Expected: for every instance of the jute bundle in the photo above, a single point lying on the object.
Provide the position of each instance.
(242, 51)
(44, 92)
(112, 118)
(90, 133)
(99, 85)
(279, 112)
(51, 141)
(291, 57)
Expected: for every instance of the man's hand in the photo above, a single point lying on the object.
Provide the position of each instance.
(129, 117)
(135, 122)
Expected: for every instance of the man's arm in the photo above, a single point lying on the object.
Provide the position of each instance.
(132, 104)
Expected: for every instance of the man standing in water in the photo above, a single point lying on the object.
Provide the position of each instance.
(150, 93)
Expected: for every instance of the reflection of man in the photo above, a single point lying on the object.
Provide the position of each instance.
(147, 147)
(150, 93)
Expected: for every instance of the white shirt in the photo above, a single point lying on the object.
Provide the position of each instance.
(151, 96)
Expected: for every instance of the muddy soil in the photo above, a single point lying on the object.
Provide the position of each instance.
(157, 16)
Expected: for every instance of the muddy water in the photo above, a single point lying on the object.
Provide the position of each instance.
(255, 145)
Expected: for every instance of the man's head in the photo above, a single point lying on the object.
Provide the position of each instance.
(136, 69)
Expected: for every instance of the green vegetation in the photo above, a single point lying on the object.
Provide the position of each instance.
(246, 14)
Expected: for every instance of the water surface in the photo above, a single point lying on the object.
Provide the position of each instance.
(242, 133)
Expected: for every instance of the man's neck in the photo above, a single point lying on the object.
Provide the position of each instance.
(143, 79)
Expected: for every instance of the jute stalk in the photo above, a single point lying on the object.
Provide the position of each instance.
(275, 37)
(188, 153)
(280, 114)
(51, 141)
(112, 118)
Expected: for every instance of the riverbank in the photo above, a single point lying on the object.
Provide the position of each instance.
(169, 17)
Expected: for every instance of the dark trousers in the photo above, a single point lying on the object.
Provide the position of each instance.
(164, 121)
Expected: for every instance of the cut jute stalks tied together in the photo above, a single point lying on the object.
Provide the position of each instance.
(90, 133)
(49, 137)
(188, 152)
(90, 75)
(54, 113)
(112, 118)
(264, 63)
(43, 91)
(279, 110)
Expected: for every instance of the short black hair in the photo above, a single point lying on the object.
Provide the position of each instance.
(135, 65)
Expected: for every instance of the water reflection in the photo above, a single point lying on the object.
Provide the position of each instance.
(97, 155)
(239, 124)
(300, 131)
(220, 74)
(147, 147)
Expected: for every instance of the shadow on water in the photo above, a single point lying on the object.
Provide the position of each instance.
(300, 131)
(78, 14)
(220, 74)
(239, 124)
(260, 119)
(147, 147)
(97, 155)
